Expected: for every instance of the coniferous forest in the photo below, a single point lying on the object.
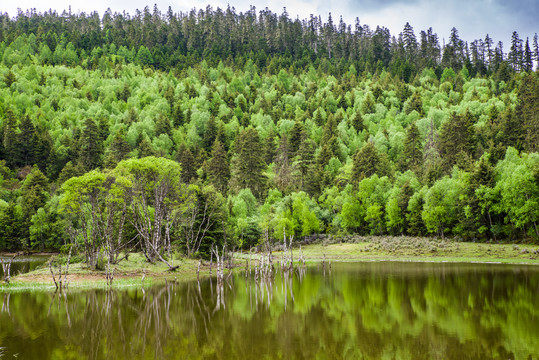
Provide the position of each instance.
(160, 131)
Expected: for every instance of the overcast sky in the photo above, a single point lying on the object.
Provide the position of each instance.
(473, 18)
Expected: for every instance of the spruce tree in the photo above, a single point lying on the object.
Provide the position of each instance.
(527, 111)
(9, 139)
(210, 133)
(304, 164)
(357, 122)
(412, 153)
(162, 126)
(456, 135)
(248, 165)
(366, 162)
(283, 168)
(185, 157)
(145, 147)
(297, 135)
(218, 167)
(91, 146)
(26, 142)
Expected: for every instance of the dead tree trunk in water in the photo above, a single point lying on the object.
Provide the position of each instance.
(6, 267)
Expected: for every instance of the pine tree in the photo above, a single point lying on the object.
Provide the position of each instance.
(210, 134)
(178, 117)
(248, 165)
(527, 111)
(366, 162)
(515, 55)
(528, 58)
(145, 147)
(270, 149)
(297, 135)
(185, 157)
(283, 168)
(412, 154)
(91, 146)
(118, 150)
(162, 126)
(26, 142)
(9, 78)
(456, 135)
(218, 167)
(357, 122)
(9, 140)
(304, 164)
(536, 50)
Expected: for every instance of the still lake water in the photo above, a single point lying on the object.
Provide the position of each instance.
(355, 311)
(23, 264)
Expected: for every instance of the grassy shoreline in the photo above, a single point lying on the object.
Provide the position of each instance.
(129, 273)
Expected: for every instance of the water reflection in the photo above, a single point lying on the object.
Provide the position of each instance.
(372, 311)
(23, 264)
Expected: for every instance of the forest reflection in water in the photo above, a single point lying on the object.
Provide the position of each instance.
(360, 310)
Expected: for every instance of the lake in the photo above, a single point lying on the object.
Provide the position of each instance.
(373, 310)
(23, 264)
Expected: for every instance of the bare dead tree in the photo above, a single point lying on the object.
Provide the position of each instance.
(6, 267)
(61, 283)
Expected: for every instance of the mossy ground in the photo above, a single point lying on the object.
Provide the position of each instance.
(129, 272)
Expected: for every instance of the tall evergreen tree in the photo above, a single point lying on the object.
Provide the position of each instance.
(283, 168)
(9, 139)
(456, 136)
(189, 169)
(218, 167)
(91, 146)
(26, 142)
(248, 165)
(412, 154)
(366, 162)
(527, 111)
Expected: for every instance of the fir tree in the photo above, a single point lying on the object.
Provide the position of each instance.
(9, 140)
(248, 166)
(145, 147)
(218, 167)
(456, 135)
(412, 154)
(283, 168)
(185, 157)
(26, 142)
(297, 135)
(304, 164)
(366, 162)
(357, 122)
(210, 134)
(162, 126)
(91, 146)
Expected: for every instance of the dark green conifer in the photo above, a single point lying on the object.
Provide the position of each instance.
(91, 146)
(412, 154)
(185, 157)
(218, 167)
(248, 165)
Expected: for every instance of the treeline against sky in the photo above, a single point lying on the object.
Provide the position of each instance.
(272, 41)
(279, 126)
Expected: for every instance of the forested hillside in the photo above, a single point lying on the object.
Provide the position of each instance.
(170, 130)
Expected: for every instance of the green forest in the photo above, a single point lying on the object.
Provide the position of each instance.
(172, 132)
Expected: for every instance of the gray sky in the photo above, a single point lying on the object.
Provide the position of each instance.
(473, 18)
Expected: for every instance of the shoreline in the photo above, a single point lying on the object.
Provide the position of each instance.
(129, 273)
